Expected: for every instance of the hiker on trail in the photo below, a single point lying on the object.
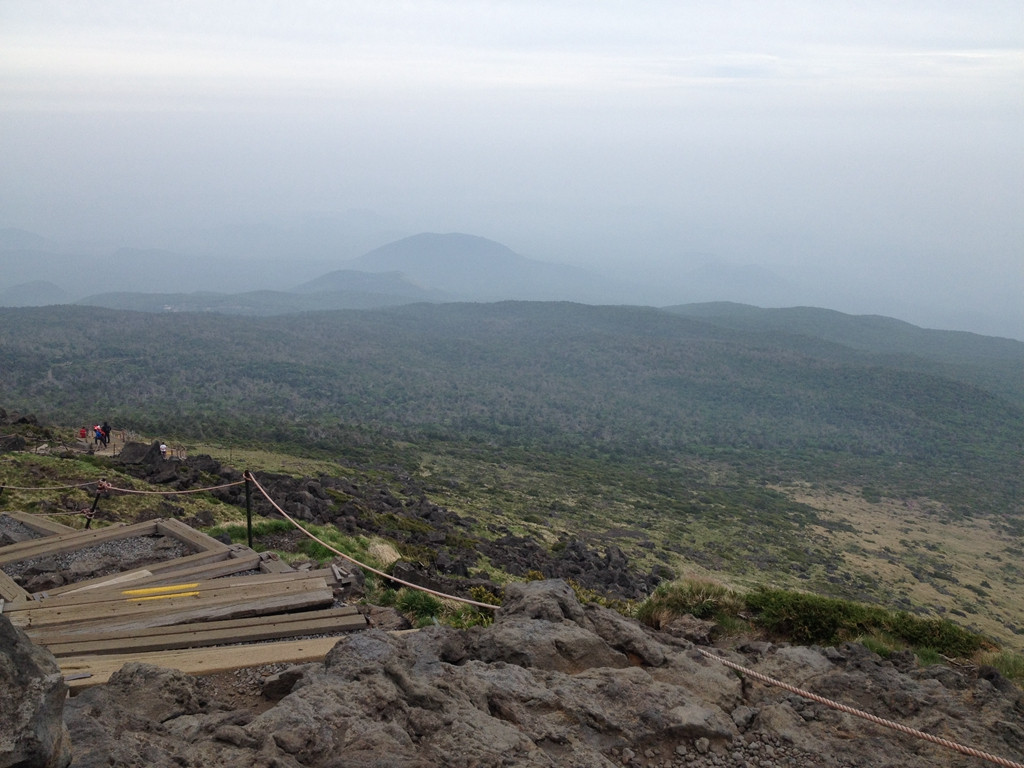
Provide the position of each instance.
(106, 433)
(97, 435)
(83, 433)
(163, 450)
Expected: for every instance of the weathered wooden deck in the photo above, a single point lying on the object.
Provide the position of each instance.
(201, 613)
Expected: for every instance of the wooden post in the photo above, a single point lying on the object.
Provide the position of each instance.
(248, 506)
(92, 512)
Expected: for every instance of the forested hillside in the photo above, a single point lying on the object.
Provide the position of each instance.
(991, 362)
(610, 383)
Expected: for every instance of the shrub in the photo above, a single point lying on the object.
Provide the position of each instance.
(585, 595)
(383, 553)
(881, 643)
(483, 595)
(943, 635)
(1010, 665)
(810, 619)
(464, 616)
(418, 605)
(702, 598)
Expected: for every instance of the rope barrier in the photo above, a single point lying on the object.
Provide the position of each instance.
(104, 486)
(110, 487)
(971, 751)
(47, 488)
(59, 514)
(352, 560)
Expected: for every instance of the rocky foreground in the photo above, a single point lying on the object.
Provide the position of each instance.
(550, 683)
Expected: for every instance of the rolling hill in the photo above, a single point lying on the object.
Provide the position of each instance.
(623, 382)
(421, 268)
(473, 268)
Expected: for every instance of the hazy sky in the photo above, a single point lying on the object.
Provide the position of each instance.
(873, 150)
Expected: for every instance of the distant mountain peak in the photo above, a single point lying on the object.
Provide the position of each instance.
(452, 249)
(33, 293)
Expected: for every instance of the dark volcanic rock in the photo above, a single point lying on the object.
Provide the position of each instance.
(11, 443)
(32, 732)
(550, 683)
(139, 453)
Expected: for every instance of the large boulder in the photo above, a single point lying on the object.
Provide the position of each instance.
(11, 443)
(140, 453)
(32, 731)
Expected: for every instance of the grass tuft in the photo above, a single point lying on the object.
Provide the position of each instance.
(701, 598)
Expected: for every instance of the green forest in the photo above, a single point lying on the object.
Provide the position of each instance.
(622, 385)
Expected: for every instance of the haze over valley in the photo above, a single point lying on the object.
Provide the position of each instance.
(863, 158)
(304, 270)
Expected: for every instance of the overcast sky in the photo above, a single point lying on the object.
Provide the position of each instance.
(871, 149)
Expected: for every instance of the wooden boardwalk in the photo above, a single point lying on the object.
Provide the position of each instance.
(220, 608)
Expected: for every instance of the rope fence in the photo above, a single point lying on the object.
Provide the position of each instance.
(352, 560)
(971, 751)
(109, 487)
(5, 487)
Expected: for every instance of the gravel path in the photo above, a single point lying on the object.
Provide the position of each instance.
(12, 530)
(107, 558)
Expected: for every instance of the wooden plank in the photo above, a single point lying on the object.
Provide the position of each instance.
(69, 542)
(115, 591)
(209, 634)
(236, 559)
(129, 599)
(146, 577)
(237, 581)
(196, 540)
(49, 637)
(274, 578)
(43, 525)
(269, 606)
(167, 566)
(196, 661)
(274, 565)
(9, 590)
(117, 581)
(179, 608)
(200, 566)
(189, 561)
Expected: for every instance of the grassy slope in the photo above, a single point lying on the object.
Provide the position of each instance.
(915, 557)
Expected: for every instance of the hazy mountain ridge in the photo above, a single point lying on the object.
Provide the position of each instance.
(395, 284)
(315, 256)
(34, 294)
(251, 303)
(993, 362)
(425, 267)
(475, 268)
(875, 333)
